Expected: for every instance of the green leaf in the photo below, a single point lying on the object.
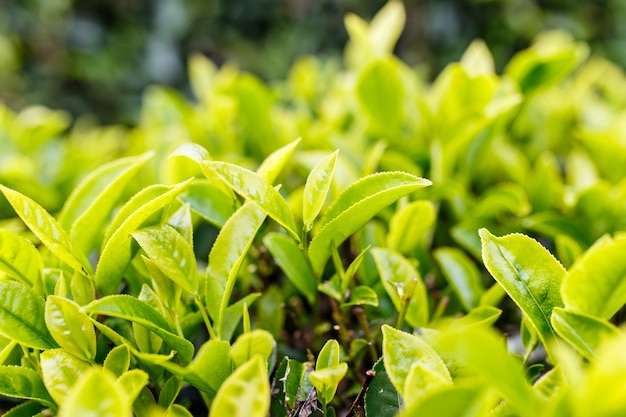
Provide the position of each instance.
(61, 370)
(246, 393)
(182, 221)
(530, 275)
(227, 255)
(462, 275)
(401, 351)
(362, 295)
(271, 166)
(585, 333)
(356, 206)
(209, 201)
(451, 401)
(118, 360)
(484, 353)
(287, 384)
(87, 209)
(70, 327)
(132, 309)
(213, 364)
(255, 188)
(117, 252)
(131, 383)
(234, 313)
(19, 259)
(316, 188)
(381, 397)
(293, 262)
(22, 316)
(96, 394)
(381, 94)
(170, 391)
(257, 342)
(328, 356)
(422, 381)
(403, 284)
(24, 383)
(26, 409)
(596, 283)
(410, 225)
(171, 253)
(327, 380)
(47, 230)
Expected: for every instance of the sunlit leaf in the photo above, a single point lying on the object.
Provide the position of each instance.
(88, 207)
(255, 188)
(530, 275)
(246, 393)
(70, 327)
(19, 258)
(22, 316)
(61, 370)
(96, 394)
(316, 188)
(47, 229)
(356, 206)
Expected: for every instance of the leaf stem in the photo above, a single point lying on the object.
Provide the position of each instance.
(205, 317)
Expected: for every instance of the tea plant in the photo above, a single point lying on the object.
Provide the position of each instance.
(221, 266)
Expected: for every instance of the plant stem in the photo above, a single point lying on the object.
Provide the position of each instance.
(205, 317)
(361, 316)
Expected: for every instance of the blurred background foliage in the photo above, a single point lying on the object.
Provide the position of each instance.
(96, 57)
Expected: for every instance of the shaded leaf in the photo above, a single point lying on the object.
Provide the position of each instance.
(381, 398)
(132, 309)
(403, 285)
(293, 262)
(209, 201)
(462, 275)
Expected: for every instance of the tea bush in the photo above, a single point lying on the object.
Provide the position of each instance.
(444, 249)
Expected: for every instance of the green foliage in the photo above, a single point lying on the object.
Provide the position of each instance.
(226, 254)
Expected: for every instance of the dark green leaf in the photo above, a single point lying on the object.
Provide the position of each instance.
(381, 397)
(293, 262)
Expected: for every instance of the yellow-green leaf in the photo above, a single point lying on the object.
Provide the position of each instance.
(96, 394)
(316, 188)
(246, 393)
(70, 327)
